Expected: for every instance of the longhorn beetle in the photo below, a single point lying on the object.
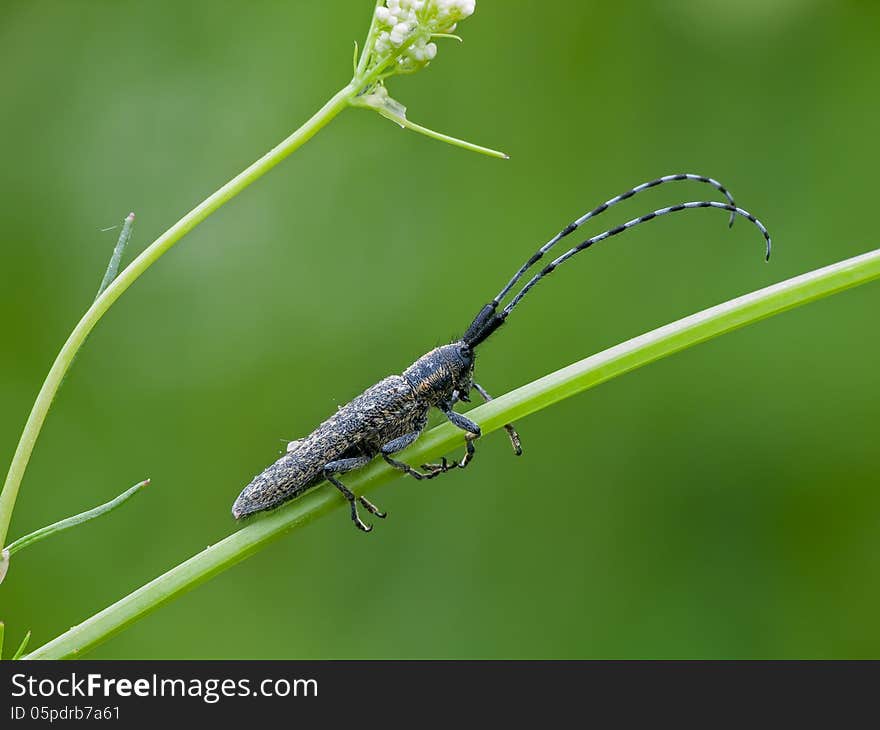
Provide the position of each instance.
(390, 415)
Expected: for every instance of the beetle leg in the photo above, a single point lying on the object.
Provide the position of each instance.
(511, 431)
(463, 422)
(445, 466)
(340, 467)
(472, 431)
(399, 444)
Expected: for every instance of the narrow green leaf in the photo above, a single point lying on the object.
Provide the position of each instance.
(66, 524)
(21, 647)
(116, 256)
(379, 101)
(454, 141)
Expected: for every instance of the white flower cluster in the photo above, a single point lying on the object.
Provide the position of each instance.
(410, 24)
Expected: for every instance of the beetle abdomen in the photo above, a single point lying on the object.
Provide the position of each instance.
(379, 410)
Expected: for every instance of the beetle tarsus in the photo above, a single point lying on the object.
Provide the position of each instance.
(352, 501)
(372, 508)
(407, 469)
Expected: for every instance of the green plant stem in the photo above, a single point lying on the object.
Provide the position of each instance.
(527, 399)
(137, 267)
(368, 44)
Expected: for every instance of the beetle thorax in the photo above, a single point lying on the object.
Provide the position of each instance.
(440, 372)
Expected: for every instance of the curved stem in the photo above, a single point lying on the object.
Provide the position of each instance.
(491, 416)
(137, 267)
(368, 44)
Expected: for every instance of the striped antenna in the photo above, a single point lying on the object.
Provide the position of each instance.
(549, 268)
(489, 319)
(632, 192)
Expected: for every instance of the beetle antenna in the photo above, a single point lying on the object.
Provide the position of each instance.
(632, 192)
(488, 320)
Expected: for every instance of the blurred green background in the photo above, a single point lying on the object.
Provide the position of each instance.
(724, 502)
